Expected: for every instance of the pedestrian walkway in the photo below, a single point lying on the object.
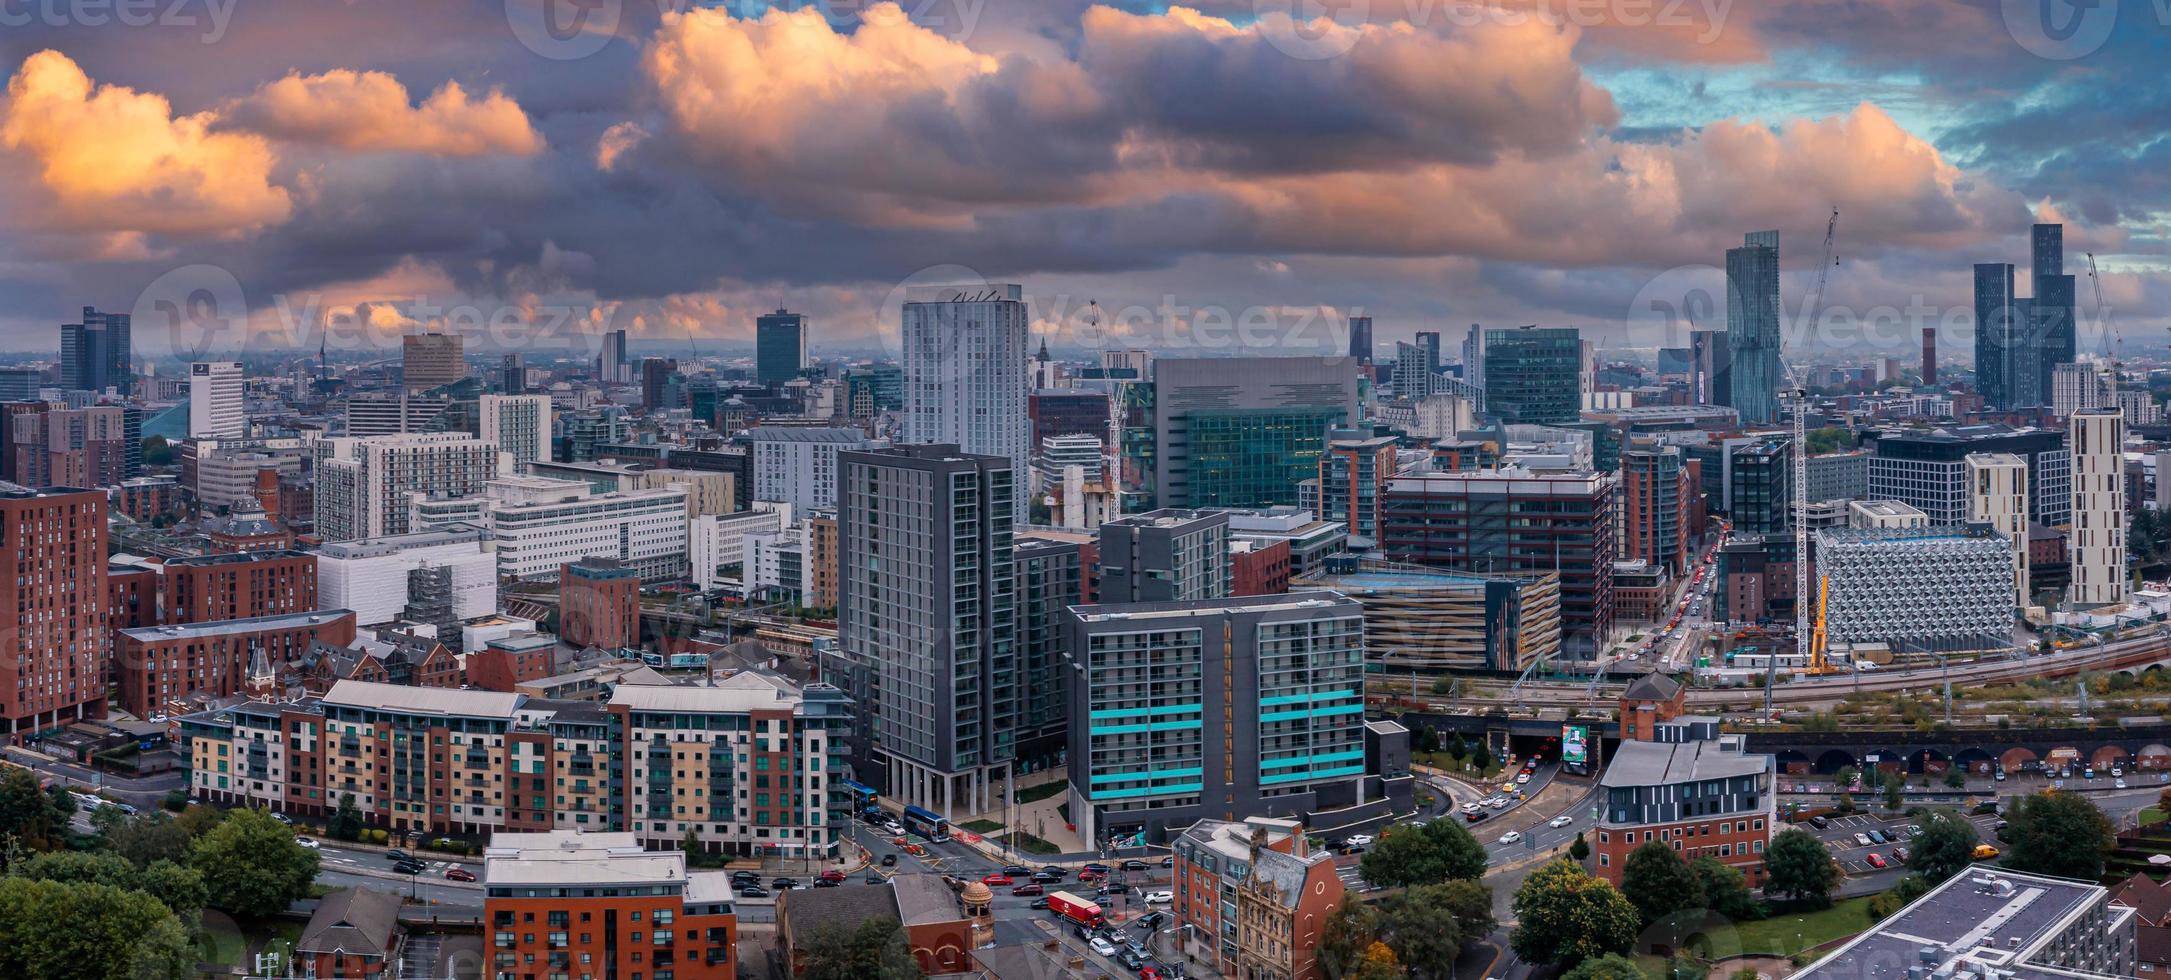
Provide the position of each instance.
(1352, 879)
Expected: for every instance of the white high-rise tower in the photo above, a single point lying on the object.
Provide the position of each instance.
(967, 372)
(2096, 436)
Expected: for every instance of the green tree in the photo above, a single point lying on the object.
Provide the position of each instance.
(107, 819)
(1892, 794)
(156, 452)
(346, 822)
(1427, 739)
(149, 837)
(1945, 848)
(57, 930)
(875, 950)
(1437, 852)
(2058, 834)
(178, 887)
(252, 866)
(1456, 747)
(1725, 890)
(1426, 926)
(1565, 916)
(199, 820)
(1896, 897)
(1481, 756)
(1797, 867)
(1471, 902)
(1847, 775)
(1956, 777)
(82, 868)
(1659, 883)
(1612, 966)
(28, 814)
(1580, 849)
(1350, 929)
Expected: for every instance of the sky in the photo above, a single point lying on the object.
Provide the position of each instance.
(1239, 175)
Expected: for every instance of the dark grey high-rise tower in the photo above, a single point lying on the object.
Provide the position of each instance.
(1997, 330)
(1752, 326)
(780, 347)
(1429, 340)
(96, 353)
(1360, 338)
(2051, 321)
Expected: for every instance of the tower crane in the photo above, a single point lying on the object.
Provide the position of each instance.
(2114, 363)
(1808, 647)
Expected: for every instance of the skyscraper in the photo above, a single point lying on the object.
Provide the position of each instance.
(655, 378)
(1360, 339)
(1654, 491)
(1929, 356)
(2051, 306)
(513, 375)
(1713, 373)
(429, 360)
(2004, 361)
(611, 364)
(966, 379)
(1752, 326)
(97, 353)
(2097, 437)
(518, 424)
(927, 610)
(1429, 341)
(53, 662)
(1244, 431)
(1533, 374)
(780, 347)
(215, 406)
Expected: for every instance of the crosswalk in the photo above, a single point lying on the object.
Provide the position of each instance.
(1352, 880)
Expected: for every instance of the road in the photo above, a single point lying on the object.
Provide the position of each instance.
(143, 792)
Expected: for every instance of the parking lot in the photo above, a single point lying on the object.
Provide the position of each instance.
(1854, 857)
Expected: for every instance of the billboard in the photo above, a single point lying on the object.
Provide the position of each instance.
(1575, 745)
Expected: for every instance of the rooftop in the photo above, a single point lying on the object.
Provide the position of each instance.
(422, 700)
(1671, 763)
(1975, 921)
(1289, 602)
(571, 857)
(747, 690)
(235, 627)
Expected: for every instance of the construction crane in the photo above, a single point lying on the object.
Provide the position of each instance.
(1797, 397)
(2114, 364)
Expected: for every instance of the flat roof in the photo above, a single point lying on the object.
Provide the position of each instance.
(1669, 763)
(235, 627)
(1985, 918)
(423, 700)
(570, 857)
(740, 692)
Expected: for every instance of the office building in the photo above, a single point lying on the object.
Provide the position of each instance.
(1253, 898)
(798, 466)
(612, 365)
(1924, 588)
(363, 484)
(1838, 476)
(1413, 376)
(97, 353)
(1997, 495)
(1473, 361)
(540, 525)
(53, 663)
(1533, 375)
(564, 903)
(1514, 522)
(656, 386)
(965, 374)
(519, 425)
(1929, 356)
(780, 347)
(1356, 465)
(430, 360)
(1360, 339)
(2052, 305)
(1691, 787)
(20, 384)
(1068, 412)
(1311, 541)
(2006, 360)
(2098, 438)
(369, 576)
(1989, 921)
(718, 541)
(1655, 495)
(1165, 556)
(1058, 453)
(215, 406)
(1760, 486)
(160, 669)
(1927, 468)
(774, 568)
(1265, 693)
(1244, 431)
(599, 604)
(1055, 572)
(1418, 621)
(391, 413)
(1752, 327)
(71, 447)
(512, 374)
(1711, 381)
(927, 597)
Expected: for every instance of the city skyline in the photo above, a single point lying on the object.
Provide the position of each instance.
(284, 159)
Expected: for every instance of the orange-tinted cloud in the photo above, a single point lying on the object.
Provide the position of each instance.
(370, 111)
(113, 158)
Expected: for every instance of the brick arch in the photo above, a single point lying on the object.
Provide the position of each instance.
(2108, 755)
(2018, 758)
(2065, 755)
(1974, 759)
(1833, 760)
(2154, 755)
(1928, 760)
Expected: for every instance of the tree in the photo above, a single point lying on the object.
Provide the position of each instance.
(1612, 966)
(1956, 777)
(1379, 963)
(1472, 904)
(1896, 898)
(81, 868)
(156, 451)
(1847, 776)
(27, 813)
(251, 864)
(107, 819)
(875, 950)
(1427, 925)
(1659, 883)
(1892, 794)
(1349, 930)
(199, 820)
(1438, 852)
(1427, 739)
(1565, 916)
(346, 822)
(1481, 757)
(178, 887)
(150, 837)
(57, 930)
(1580, 849)
(1797, 867)
(1456, 747)
(1945, 848)
(1725, 890)
(2059, 834)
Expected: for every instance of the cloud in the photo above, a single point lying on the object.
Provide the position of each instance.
(115, 159)
(370, 111)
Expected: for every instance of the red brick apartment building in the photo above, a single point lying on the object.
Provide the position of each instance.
(1687, 785)
(563, 904)
(1280, 894)
(53, 661)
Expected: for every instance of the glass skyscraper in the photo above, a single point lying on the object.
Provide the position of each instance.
(1752, 326)
(780, 347)
(1244, 431)
(1533, 375)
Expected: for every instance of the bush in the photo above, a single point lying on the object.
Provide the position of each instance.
(174, 801)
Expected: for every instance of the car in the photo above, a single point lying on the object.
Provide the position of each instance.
(1136, 865)
(1511, 837)
(743, 875)
(1029, 889)
(997, 880)
(2088, 773)
(1168, 860)
(1522, 777)
(893, 828)
(1160, 897)
(1877, 836)
(831, 874)
(889, 860)
(1359, 840)
(1038, 903)
(1148, 972)
(1089, 875)
(1820, 822)
(2119, 783)
(784, 884)
(1098, 868)
(1130, 959)
(308, 842)
(2117, 771)
(281, 817)
(1998, 776)
(1560, 821)
(1136, 945)
(1984, 852)
(459, 874)
(1875, 859)
(1046, 877)
(1861, 840)
(826, 883)
(1899, 855)
(410, 867)
(1473, 806)
(753, 890)
(1150, 921)
(1017, 870)
(1101, 945)
(1114, 888)
(1496, 802)
(874, 878)
(1914, 830)
(395, 854)
(1476, 816)
(1054, 869)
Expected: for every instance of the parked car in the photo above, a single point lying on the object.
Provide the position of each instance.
(784, 884)
(459, 874)
(889, 860)
(1877, 837)
(1861, 840)
(1029, 889)
(1899, 855)
(1820, 822)
(1875, 859)
(1359, 840)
